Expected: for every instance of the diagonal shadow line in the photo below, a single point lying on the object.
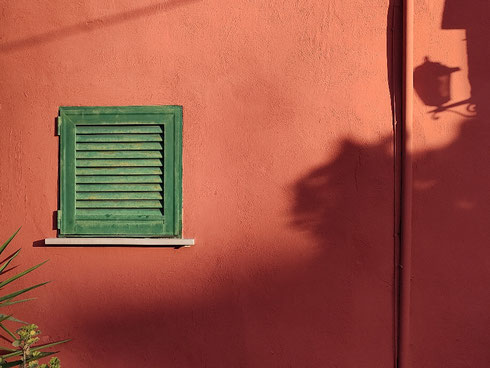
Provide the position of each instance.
(92, 25)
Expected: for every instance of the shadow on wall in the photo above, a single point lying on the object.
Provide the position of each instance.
(474, 17)
(432, 79)
(336, 198)
(92, 24)
(335, 310)
(451, 271)
(318, 313)
(452, 202)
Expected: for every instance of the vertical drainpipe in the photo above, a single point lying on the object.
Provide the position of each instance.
(406, 192)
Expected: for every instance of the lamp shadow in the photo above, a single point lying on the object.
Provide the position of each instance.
(432, 80)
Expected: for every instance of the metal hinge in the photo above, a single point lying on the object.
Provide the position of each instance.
(58, 218)
(58, 126)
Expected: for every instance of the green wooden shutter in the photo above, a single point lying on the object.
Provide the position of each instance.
(120, 171)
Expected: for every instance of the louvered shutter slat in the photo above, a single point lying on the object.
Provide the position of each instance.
(119, 204)
(118, 195)
(118, 137)
(119, 171)
(118, 154)
(118, 188)
(118, 146)
(107, 179)
(118, 162)
(125, 129)
(89, 213)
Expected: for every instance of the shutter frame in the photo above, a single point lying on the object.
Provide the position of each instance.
(73, 224)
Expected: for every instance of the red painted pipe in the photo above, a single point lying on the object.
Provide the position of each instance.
(407, 175)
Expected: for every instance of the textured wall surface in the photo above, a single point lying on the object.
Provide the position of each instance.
(451, 254)
(288, 179)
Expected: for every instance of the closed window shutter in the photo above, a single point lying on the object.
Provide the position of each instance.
(120, 171)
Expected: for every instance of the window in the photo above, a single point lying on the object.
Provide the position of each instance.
(120, 171)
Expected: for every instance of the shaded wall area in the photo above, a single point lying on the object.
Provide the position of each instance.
(288, 179)
(451, 180)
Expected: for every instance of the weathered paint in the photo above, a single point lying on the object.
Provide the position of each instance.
(288, 179)
(133, 209)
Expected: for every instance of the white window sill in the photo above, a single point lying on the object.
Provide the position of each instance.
(151, 242)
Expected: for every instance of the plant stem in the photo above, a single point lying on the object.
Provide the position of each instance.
(24, 357)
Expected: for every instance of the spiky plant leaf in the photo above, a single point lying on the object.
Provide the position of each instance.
(19, 275)
(35, 348)
(4, 266)
(16, 293)
(16, 302)
(2, 248)
(3, 327)
(17, 363)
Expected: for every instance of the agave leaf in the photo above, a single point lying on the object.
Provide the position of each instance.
(3, 327)
(16, 363)
(12, 354)
(19, 362)
(49, 345)
(2, 248)
(43, 354)
(3, 317)
(16, 302)
(4, 266)
(13, 278)
(16, 293)
(36, 348)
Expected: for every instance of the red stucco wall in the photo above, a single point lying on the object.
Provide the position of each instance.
(451, 257)
(288, 180)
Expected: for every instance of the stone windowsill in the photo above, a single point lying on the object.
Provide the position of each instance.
(142, 242)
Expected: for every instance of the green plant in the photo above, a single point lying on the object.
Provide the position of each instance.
(24, 350)
(30, 355)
